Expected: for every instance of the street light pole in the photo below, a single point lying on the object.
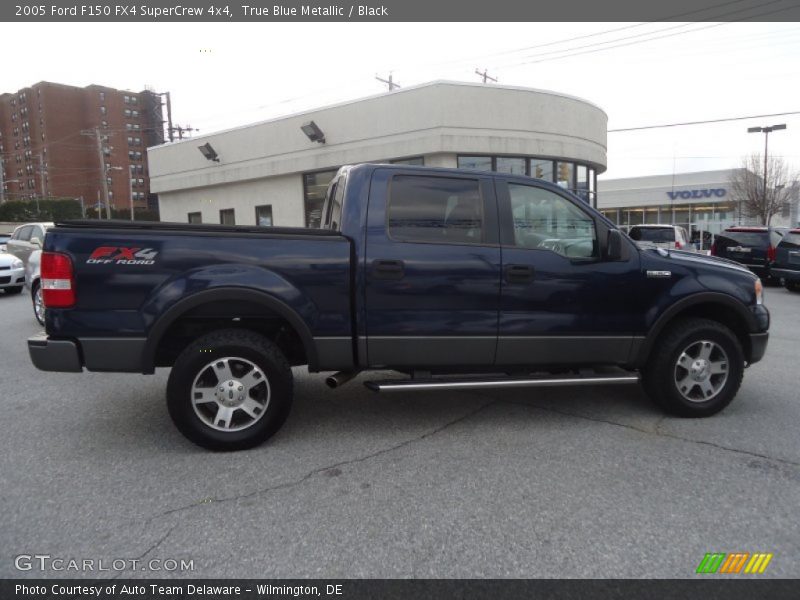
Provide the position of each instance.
(766, 131)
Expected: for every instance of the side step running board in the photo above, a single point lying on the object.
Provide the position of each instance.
(396, 385)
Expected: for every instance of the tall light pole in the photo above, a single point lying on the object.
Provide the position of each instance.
(766, 131)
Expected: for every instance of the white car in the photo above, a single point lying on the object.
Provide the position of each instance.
(670, 237)
(12, 274)
(33, 283)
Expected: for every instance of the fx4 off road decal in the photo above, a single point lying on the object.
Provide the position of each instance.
(117, 255)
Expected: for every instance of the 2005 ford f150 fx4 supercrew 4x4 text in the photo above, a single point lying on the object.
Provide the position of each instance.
(459, 279)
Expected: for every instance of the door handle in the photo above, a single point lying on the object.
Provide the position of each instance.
(519, 273)
(388, 269)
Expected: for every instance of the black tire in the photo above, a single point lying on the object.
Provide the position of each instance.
(37, 290)
(14, 290)
(662, 372)
(241, 346)
(792, 286)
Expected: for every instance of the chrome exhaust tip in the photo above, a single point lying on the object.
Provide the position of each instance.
(339, 379)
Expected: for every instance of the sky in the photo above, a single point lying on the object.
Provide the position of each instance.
(224, 75)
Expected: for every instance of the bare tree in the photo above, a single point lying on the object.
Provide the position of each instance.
(754, 198)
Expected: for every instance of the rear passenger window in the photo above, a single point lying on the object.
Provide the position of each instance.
(547, 221)
(25, 233)
(435, 209)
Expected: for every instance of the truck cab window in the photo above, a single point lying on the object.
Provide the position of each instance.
(544, 220)
(333, 205)
(435, 209)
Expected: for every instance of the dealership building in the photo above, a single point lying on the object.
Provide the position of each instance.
(698, 201)
(276, 172)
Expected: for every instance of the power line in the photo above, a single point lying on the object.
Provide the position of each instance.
(650, 39)
(782, 114)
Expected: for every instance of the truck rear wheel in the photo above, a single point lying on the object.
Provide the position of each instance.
(696, 368)
(230, 390)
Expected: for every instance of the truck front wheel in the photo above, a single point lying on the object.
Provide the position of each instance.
(696, 368)
(230, 390)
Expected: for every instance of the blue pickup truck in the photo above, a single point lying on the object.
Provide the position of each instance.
(455, 279)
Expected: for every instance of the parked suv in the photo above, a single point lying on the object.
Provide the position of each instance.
(753, 247)
(27, 238)
(670, 237)
(787, 260)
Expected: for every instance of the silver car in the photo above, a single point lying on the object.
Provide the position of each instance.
(27, 238)
(12, 274)
(33, 283)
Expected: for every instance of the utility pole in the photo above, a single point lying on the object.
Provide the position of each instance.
(102, 160)
(485, 75)
(2, 182)
(169, 117)
(392, 85)
(130, 191)
(41, 175)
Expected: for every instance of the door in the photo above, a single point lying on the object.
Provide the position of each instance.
(561, 303)
(432, 270)
(19, 245)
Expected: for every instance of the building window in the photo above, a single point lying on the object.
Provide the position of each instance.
(102, 97)
(479, 163)
(127, 112)
(103, 111)
(195, 217)
(514, 166)
(582, 182)
(566, 175)
(264, 215)
(415, 161)
(315, 185)
(435, 209)
(127, 99)
(227, 216)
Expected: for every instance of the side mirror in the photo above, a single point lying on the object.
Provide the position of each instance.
(614, 245)
(36, 241)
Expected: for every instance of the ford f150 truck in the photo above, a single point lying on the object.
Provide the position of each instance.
(457, 279)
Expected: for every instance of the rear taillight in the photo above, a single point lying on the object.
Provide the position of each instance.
(58, 285)
(678, 245)
(771, 253)
(713, 249)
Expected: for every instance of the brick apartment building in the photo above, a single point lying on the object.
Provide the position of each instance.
(49, 149)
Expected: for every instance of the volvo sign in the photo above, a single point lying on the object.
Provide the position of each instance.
(707, 193)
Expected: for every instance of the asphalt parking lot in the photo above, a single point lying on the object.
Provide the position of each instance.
(568, 482)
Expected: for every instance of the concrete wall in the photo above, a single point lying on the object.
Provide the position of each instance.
(438, 121)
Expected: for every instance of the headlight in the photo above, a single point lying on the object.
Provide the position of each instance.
(759, 292)
(16, 264)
